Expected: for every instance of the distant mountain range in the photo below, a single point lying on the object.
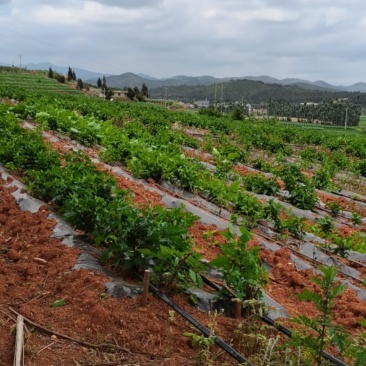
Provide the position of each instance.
(130, 79)
(358, 87)
(254, 92)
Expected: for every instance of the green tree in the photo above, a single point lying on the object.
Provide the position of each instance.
(144, 90)
(79, 84)
(69, 74)
(50, 72)
(130, 94)
(237, 114)
(108, 93)
(138, 94)
(99, 83)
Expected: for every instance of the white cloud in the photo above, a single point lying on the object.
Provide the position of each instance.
(284, 38)
(88, 13)
(129, 3)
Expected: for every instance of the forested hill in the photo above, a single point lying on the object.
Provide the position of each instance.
(254, 92)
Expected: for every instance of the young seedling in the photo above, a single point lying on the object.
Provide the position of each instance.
(322, 329)
(334, 207)
(356, 218)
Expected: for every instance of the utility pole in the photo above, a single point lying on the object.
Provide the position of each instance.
(346, 120)
(166, 96)
(222, 96)
(215, 96)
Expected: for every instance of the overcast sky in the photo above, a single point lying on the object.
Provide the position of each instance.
(308, 39)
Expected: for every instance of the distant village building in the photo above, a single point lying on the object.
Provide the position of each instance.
(119, 94)
(201, 103)
(309, 103)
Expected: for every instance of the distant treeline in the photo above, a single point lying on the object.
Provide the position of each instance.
(336, 112)
(256, 93)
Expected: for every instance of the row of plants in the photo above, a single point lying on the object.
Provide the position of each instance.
(268, 135)
(90, 200)
(159, 157)
(337, 242)
(68, 193)
(145, 160)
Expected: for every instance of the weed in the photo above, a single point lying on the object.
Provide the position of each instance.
(205, 356)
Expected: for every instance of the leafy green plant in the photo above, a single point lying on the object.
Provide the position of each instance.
(57, 303)
(334, 207)
(309, 154)
(326, 224)
(260, 184)
(173, 268)
(341, 246)
(303, 196)
(249, 208)
(322, 330)
(260, 164)
(272, 212)
(360, 354)
(322, 179)
(356, 218)
(291, 176)
(240, 265)
(361, 167)
(127, 231)
(295, 225)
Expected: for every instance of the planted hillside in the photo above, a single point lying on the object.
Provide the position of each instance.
(335, 112)
(32, 81)
(256, 93)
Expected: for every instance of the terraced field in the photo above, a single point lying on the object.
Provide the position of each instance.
(34, 81)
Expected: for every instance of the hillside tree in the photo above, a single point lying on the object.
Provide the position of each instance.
(104, 82)
(138, 94)
(130, 93)
(145, 90)
(50, 73)
(79, 84)
(69, 74)
(99, 83)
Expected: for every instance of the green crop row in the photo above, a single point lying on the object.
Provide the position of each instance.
(92, 202)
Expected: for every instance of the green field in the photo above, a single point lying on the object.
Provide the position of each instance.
(339, 130)
(35, 81)
(363, 122)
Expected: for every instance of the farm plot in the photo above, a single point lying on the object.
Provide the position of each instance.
(34, 82)
(136, 144)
